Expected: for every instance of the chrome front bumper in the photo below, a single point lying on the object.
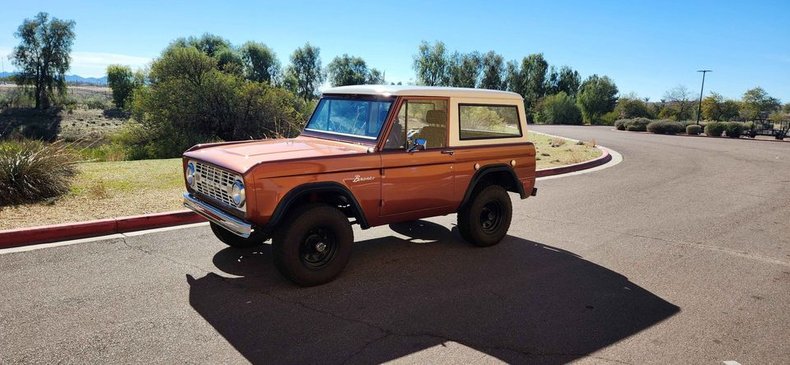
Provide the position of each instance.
(225, 220)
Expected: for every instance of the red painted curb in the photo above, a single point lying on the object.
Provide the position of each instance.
(70, 231)
(604, 158)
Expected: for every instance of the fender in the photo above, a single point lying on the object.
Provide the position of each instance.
(310, 188)
(488, 170)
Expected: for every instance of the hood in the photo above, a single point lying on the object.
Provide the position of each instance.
(241, 156)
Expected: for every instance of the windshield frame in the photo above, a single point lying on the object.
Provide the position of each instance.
(346, 137)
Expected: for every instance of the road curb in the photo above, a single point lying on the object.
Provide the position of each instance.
(68, 231)
(603, 159)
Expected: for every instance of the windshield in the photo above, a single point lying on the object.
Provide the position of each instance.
(361, 118)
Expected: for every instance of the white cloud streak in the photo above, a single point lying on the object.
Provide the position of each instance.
(88, 64)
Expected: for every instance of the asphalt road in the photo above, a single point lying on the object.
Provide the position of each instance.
(679, 254)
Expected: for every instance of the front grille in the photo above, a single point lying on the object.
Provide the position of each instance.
(214, 183)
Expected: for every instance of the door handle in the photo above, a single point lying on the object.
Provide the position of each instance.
(448, 152)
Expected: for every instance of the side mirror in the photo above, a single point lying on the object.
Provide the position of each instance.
(419, 144)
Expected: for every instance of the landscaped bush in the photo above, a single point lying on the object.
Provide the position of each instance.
(693, 129)
(32, 171)
(733, 129)
(665, 127)
(714, 129)
(558, 109)
(620, 124)
(637, 125)
(609, 118)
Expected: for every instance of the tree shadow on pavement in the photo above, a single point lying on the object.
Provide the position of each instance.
(519, 301)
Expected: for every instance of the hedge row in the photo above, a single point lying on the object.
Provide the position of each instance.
(712, 129)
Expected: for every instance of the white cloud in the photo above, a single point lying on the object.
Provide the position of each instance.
(87, 64)
(94, 64)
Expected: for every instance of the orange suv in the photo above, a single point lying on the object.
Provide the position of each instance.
(369, 155)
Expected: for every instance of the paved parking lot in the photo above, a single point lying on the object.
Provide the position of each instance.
(679, 254)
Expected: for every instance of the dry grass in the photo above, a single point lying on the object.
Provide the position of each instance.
(106, 190)
(553, 153)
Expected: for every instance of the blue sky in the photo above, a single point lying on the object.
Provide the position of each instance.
(647, 47)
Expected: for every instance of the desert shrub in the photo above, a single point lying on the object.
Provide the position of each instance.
(609, 118)
(620, 124)
(95, 103)
(629, 107)
(190, 100)
(665, 127)
(637, 125)
(693, 129)
(558, 109)
(33, 171)
(714, 129)
(733, 129)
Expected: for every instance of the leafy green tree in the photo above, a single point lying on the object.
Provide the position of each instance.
(230, 61)
(631, 106)
(680, 104)
(375, 77)
(42, 56)
(597, 96)
(349, 70)
(514, 78)
(189, 100)
(534, 68)
(432, 64)
(558, 109)
(493, 71)
(260, 62)
(757, 104)
(568, 81)
(306, 71)
(208, 43)
(715, 107)
(786, 108)
(123, 82)
(730, 109)
(465, 69)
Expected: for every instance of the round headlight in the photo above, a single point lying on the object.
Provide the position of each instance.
(237, 193)
(190, 173)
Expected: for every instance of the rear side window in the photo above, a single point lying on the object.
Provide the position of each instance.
(478, 121)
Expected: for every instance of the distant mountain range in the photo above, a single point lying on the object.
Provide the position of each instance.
(72, 79)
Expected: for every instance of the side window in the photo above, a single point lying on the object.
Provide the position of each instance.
(420, 118)
(488, 121)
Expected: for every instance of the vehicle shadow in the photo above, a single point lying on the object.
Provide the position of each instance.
(519, 301)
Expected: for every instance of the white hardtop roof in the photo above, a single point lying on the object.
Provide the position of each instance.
(410, 90)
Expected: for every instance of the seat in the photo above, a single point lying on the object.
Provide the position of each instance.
(435, 132)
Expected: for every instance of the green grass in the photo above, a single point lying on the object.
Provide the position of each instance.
(128, 176)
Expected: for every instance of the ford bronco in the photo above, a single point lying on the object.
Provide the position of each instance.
(369, 155)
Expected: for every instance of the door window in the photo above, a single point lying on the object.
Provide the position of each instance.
(419, 118)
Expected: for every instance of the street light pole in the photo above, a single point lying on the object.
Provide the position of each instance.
(699, 108)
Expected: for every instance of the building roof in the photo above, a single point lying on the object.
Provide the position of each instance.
(411, 90)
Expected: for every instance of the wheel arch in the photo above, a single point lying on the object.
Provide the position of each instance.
(498, 174)
(331, 193)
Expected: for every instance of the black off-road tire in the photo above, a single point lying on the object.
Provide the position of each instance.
(298, 241)
(232, 240)
(485, 220)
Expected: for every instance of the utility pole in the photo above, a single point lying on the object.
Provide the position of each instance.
(699, 108)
